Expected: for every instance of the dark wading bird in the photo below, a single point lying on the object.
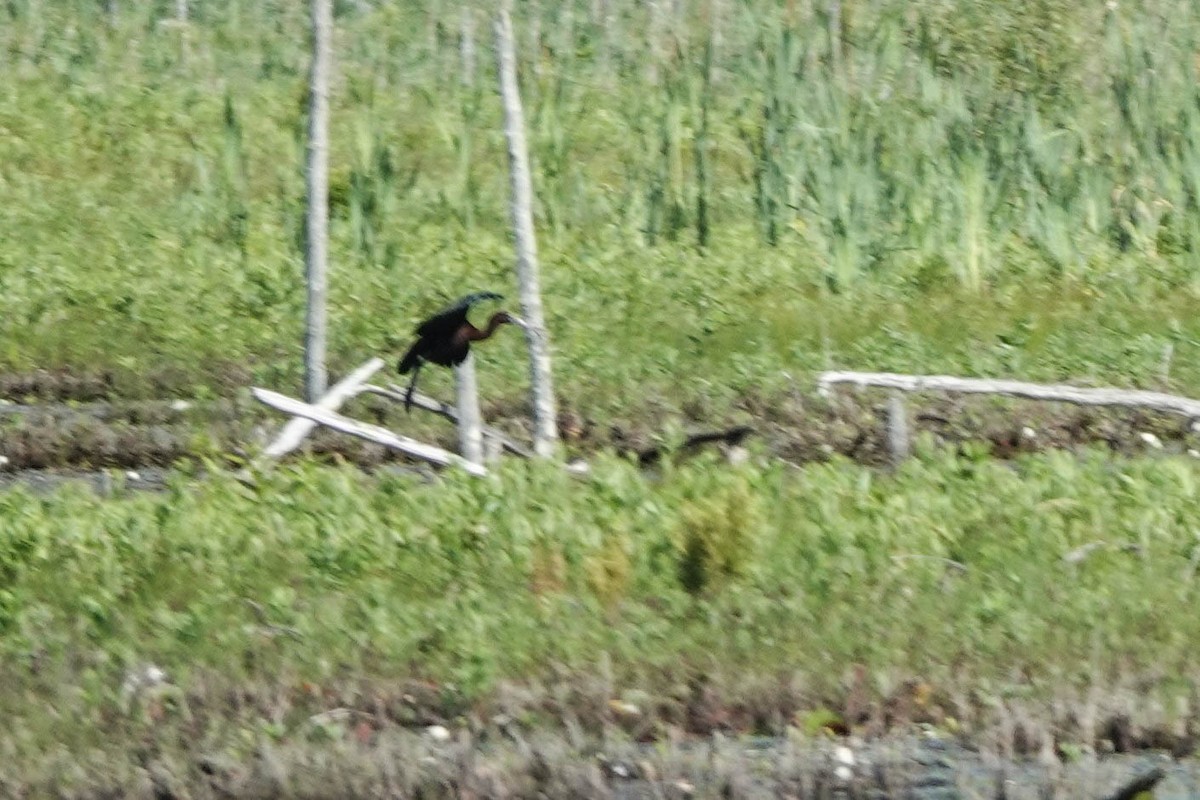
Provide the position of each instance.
(445, 338)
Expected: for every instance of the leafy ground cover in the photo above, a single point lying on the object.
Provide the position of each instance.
(731, 197)
(957, 592)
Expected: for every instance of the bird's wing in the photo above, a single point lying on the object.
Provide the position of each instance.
(453, 315)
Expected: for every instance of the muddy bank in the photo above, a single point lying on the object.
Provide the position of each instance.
(103, 482)
(111, 434)
(341, 761)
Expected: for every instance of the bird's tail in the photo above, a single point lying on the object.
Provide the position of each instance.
(412, 385)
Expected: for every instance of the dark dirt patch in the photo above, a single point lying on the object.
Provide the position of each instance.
(103, 482)
(99, 435)
(56, 385)
(351, 763)
(799, 429)
(82, 385)
(804, 429)
(855, 426)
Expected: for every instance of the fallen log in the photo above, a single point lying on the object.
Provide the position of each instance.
(364, 430)
(1128, 398)
(448, 411)
(297, 428)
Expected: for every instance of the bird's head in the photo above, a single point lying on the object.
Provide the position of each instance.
(505, 318)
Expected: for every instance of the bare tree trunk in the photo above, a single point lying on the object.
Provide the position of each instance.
(654, 34)
(181, 23)
(605, 19)
(835, 35)
(317, 184)
(899, 445)
(470, 425)
(545, 432)
(466, 45)
(716, 19)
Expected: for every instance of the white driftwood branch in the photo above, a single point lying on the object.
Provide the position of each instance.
(298, 427)
(466, 45)
(423, 401)
(470, 424)
(1129, 398)
(364, 430)
(545, 425)
(448, 411)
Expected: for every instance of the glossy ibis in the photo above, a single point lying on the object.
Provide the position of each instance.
(445, 338)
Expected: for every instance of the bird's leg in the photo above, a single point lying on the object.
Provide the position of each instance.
(412, 385)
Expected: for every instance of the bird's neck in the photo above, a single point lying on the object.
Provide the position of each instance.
(477, 335)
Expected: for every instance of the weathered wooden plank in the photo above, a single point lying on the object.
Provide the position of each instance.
(393, 392)
(364, 430)
(1129, 398)
(296, 429)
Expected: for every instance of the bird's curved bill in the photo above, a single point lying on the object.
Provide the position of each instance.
(518, 321)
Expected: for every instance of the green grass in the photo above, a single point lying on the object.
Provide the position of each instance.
(1007, 189)
(1031, 182)
(733, 578)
